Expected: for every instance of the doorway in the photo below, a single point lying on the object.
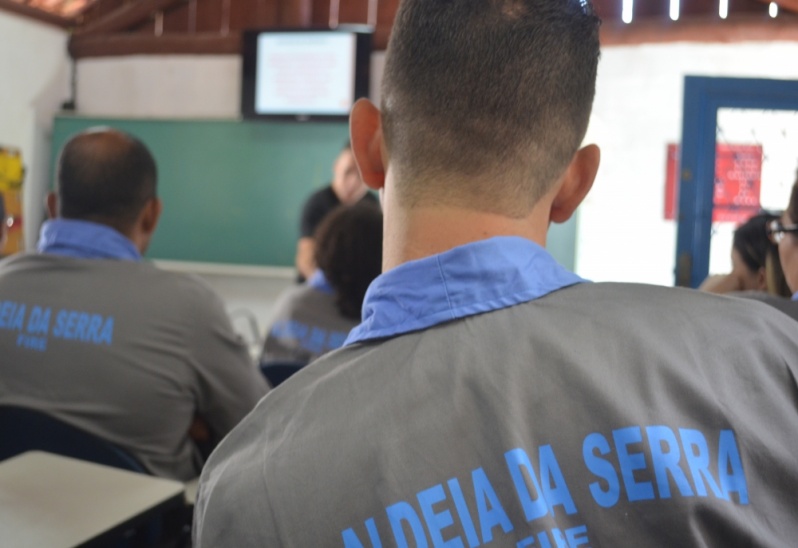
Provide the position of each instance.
(727, 115)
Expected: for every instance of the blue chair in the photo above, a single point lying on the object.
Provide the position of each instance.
(276, 372)
(23, 429)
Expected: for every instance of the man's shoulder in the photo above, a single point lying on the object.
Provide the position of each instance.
(652, 305)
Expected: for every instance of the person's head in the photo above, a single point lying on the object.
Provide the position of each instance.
(346, 182)
(484, 103)
(754, 258)
(349, 253)
(787, 240)
(108, 177)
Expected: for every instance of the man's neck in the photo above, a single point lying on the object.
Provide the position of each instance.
(420, 232)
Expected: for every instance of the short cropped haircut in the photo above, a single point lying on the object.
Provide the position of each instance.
(106, 176)
(497, 88)
(349, 253)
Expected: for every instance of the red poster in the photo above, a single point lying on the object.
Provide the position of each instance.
(738, 180)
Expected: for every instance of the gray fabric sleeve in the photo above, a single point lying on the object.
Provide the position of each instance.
(229, 383)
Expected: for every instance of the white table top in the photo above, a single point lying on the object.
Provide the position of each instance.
(49, 501)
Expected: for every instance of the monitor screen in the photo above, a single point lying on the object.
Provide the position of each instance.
(304, 74)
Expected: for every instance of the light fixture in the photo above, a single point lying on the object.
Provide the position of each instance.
(674, 10)
(723, 9)
(773, 10)
(626, 13)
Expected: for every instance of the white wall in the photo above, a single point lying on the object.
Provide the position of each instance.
(34, 81)
(165, 86)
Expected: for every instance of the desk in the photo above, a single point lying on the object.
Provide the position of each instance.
(49, 501)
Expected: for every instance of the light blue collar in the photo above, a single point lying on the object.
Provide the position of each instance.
(85, 240)
(795, 296)
(319, 281)
(467, 280)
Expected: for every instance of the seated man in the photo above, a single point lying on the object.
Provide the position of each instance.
(490, 397)
(93, 335)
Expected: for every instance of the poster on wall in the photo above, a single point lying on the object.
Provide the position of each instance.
(12, 173)
(738, 181)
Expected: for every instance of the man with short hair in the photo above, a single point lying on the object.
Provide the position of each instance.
(95, 336)
(490, 397)
(346, 188)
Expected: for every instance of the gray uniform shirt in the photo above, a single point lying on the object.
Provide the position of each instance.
(125, 351)
(305, 325)
(595, 415)
(784, 304)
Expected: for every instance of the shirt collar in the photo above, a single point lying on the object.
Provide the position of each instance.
(319, 281)
(85, 240)
(471, 279)
(795, 296)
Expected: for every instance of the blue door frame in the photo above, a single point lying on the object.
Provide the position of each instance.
(702, 99)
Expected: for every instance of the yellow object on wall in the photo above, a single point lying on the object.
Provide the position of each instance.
(12, 173)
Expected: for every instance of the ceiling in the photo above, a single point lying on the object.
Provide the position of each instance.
(124, 27)
(605, 8)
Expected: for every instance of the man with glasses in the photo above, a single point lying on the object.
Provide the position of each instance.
(783, 234)
(490, 397)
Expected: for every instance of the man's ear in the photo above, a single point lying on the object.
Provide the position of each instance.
(148, 219)
(576, 182)
(365, 133)
(51, 202)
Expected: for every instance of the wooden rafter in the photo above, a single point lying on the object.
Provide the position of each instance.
(143, 44)
(296, 13)
(127, 16)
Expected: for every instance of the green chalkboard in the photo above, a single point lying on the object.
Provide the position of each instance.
(232, 190)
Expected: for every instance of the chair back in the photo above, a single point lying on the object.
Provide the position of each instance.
(276, 372)
(23, 429)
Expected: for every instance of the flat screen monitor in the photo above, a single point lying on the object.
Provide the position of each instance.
(304, 74)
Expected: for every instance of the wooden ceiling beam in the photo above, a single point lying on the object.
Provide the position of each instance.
(35, 13)
(296, 13)
(126, 16)
(82, 46)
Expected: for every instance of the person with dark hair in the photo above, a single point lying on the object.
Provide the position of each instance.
(99, 338)
(490, 397)
(756, 269)
(346, 188)
(316, 317)
(755, 263)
